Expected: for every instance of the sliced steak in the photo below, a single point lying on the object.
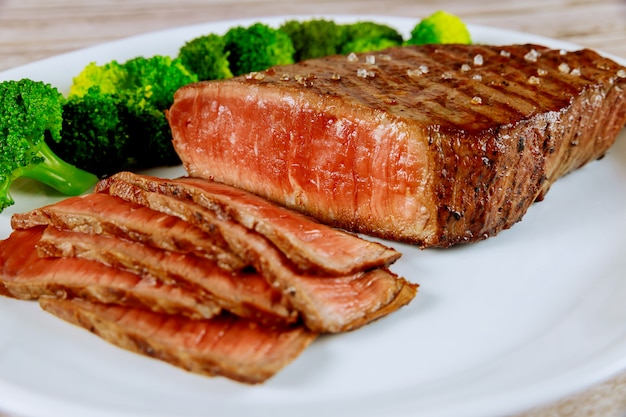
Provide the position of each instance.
(433, 145)
(244, 294)
(225, 345)
(339, 304)
(311, 245)
(25, 275)
(327, 303)
(106, 214)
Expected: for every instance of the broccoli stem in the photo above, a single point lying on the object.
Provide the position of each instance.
(58, 174)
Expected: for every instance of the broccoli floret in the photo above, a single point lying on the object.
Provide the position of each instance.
(159, 76)
(122, 106)
(108, 78)
(440, 27)
(30, 115)
(94, 133)
(206, 57)
(372, 31)
(151, 136)
(370, 36)
(368, 45)
(256, 48)
(315, 38)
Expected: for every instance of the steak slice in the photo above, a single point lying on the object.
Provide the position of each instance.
(25, 275)
(244, 294)
(327, 303)
(311, 245)
(339, 304)
(225, 345)
(433, 145)
(106, 214)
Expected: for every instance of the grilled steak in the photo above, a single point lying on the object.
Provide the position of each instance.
(225, 345)
(433, 145)
(106, 214)
(204, 276)
(311, 245)
(243, 294)
(327, 303)
(24, 275)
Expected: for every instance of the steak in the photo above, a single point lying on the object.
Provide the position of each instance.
(433, 145)
(244, 294)
(26, 276)
(309, 244)
(327, 303)
(224, 345)
(202, 275)
(106, 214)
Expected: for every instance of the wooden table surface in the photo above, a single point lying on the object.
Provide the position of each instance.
(35, 29)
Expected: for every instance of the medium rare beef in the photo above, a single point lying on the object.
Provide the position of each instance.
(339, 304)
(106, 214)
(225, 345)
(327, 303)
(25, 275)
(433, 145)
(311, 245)
(243, 294)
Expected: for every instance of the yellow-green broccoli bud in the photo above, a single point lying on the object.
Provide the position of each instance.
(440, 27)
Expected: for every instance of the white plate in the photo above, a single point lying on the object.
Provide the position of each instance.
(524, 318)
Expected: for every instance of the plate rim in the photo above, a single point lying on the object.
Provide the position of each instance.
(6, 387)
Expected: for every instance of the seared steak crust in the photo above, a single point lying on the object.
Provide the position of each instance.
(433, 145)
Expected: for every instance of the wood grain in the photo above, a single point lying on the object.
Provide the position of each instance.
(34, 29)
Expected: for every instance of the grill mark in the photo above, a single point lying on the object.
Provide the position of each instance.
(504, 82)
(508, 93)
(463, 81)
(447, 101)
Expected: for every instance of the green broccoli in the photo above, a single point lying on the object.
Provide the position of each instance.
(372, 30)
(368, 45)
(315, 38)
(31, 115)
(94, 133)
(206, 57)
(256, 48)
(156, 79)
(440, 27)
(108, 78)
(370, 36)
(121, 107)
(151, 134)
(158, 76)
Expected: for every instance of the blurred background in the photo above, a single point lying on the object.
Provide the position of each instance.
(34, 29)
